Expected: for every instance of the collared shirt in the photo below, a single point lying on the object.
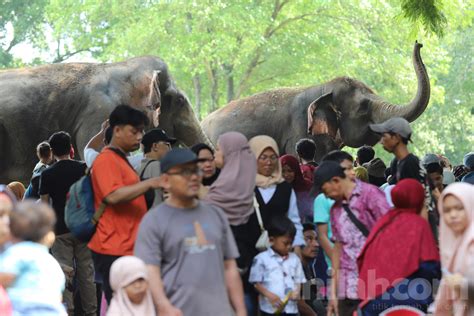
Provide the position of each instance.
(368, 203)
(278, 275)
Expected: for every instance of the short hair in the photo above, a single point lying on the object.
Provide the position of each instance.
(434, 168)
(404, 140)
(43, 149)
(108, 135)
(306, 148)
(338, 156)
(126, 115)
(309, 226)
(365, 154)
(60, 143)
(31, 221)
(281, 226)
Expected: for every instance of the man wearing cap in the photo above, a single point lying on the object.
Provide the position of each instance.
(188, 247)
(376, 170)
(357, 206)
(155, 145)
(116, 183)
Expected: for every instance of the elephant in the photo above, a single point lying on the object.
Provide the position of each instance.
(77, 98)
(334, 114)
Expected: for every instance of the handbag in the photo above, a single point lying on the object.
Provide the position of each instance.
(263, 242)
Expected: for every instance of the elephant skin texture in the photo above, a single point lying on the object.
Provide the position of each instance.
(334, 114)
(77, 98)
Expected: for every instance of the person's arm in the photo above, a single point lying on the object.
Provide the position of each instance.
(323, 239)
(130, 192)
(272, 297)
(336, 254)
(162, 304)
(234, 287)
(97, 141)
(304, 309)
(294, 216)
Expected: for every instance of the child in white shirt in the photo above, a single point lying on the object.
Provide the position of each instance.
(278, 273)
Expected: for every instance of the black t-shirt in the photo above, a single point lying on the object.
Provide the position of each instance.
(409, 167)
(56, 181)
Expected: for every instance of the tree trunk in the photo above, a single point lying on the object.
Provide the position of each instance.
(214, 90)
(197, 95)
(228, 69)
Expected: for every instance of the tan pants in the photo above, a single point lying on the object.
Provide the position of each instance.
(69, 251)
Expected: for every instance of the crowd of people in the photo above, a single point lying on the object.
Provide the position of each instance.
(239, 229)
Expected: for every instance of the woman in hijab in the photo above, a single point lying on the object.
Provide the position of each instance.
(207, 163)
(132, 294)
(456, 242)
(400, 248)
(292, 174)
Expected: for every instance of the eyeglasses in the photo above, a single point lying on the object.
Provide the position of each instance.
(187, 172)
(272, 158)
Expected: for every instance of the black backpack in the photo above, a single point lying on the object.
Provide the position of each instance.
(150, 194)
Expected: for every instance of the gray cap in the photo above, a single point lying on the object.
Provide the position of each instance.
(468, 160)
(397, 125)
(429, 159)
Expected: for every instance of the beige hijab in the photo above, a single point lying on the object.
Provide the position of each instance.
(457, 254)
(258, 144)
(124, 271)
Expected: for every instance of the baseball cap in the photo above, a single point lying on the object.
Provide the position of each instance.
(397, 125)
(325, 172)
(156, 135)
(376, 168)
(468, 160)
(429, 159)
(176, 157)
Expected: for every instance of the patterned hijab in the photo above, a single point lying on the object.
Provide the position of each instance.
(299, 184)
(258, 144)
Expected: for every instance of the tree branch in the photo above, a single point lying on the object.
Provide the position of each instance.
(59, 58)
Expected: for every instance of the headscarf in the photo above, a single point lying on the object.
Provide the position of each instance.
(124, 271)
(455, 250)
(233, 190)
(197, 149)
(299, 184)
(258, 144)
(398, 243)
(18, 189)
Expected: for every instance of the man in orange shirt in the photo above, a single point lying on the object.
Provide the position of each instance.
(116, 183)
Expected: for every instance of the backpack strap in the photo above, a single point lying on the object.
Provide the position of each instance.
(356, 221)
(98, 212)
(144, 168)
(122, 155)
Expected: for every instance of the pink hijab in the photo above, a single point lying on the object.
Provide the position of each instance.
(456, 251)
(233, 189)
(124, 271)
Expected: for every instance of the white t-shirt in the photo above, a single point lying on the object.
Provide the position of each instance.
(91, 154)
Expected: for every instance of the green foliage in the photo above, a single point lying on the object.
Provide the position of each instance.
(222, 50)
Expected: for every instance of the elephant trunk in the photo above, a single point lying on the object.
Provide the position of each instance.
(383, 110)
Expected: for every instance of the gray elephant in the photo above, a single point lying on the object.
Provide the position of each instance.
(333, 114)
(77, 97)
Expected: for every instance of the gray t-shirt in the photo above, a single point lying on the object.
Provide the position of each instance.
(189, 246)
(150, 169)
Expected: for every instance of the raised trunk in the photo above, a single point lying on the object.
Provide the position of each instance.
(384, 110)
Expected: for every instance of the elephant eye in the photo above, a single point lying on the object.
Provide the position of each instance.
(364, 106)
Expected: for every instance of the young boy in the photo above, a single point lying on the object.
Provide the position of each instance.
(33, 278)
(277, 273)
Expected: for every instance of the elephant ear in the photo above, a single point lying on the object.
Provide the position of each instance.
(154, 95)
(323, 117)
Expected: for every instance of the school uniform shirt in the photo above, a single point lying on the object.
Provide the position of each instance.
(278, 275)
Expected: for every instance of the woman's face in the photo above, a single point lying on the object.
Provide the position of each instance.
(288, 174)
(136, 290)
(267, 162)
(454, 214)
(208, 166)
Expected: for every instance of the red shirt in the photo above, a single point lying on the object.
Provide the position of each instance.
(117, 228)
